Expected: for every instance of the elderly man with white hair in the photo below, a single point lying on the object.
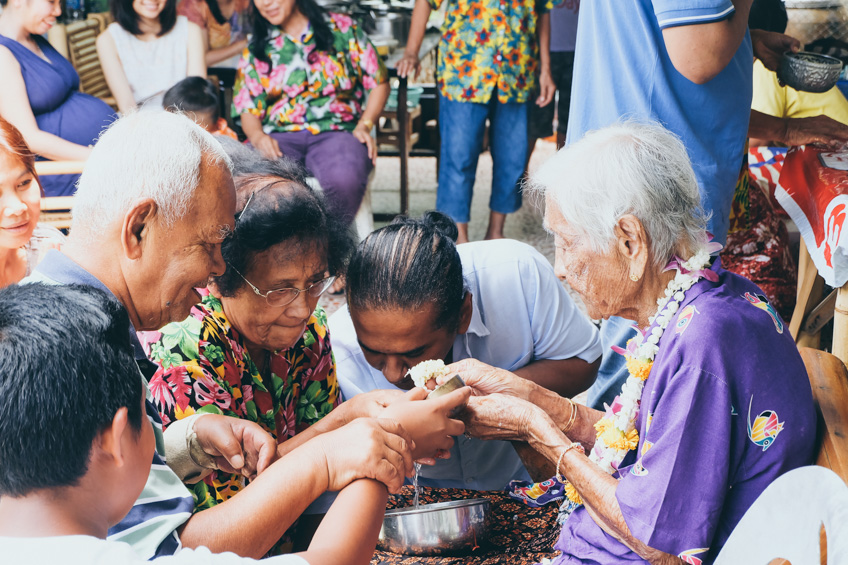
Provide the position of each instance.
(155, 201)
(717, 403)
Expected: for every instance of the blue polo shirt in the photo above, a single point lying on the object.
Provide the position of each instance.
(622, 70)
(522, 313)
(165, 503)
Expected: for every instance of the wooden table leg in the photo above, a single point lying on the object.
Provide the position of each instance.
(809, 290)
(403, 144)
(840, 325)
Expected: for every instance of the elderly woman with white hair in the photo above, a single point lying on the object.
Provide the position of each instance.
(717, 404)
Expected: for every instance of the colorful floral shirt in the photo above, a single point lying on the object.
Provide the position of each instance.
(205, 367)
(304, 88)
(489, 46)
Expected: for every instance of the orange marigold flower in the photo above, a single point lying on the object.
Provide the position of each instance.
(572, 494)
(639, 368)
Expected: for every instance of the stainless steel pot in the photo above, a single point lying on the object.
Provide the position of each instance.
(392, 24)
(444, 528)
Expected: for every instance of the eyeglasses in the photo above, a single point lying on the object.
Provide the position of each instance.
(284, 296)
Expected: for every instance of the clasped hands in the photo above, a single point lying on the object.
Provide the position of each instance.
(382, 434)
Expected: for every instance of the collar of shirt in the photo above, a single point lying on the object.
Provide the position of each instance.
(64, 270)
(476, 327)
(304, 38)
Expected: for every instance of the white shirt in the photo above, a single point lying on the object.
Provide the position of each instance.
(521, 313)
(88, 550)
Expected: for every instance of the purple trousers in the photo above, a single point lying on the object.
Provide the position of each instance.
(337, 159)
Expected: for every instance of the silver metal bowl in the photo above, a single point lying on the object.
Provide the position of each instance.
(809, 72)
(444, 528)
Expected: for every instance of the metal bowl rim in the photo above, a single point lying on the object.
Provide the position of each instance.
(437, 507)
(825, 61)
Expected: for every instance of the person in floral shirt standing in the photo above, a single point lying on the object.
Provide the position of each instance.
(300, 91)
(490, 54)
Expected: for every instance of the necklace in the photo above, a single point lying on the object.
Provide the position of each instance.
(616, 431)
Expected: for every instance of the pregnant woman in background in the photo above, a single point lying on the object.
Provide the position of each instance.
(41, 96)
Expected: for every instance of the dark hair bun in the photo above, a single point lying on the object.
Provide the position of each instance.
(432, 220)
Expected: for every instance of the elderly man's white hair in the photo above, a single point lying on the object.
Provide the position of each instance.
(637, 168)
(149, 154)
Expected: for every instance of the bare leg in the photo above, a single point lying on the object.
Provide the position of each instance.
(496, 225)
(463, 233)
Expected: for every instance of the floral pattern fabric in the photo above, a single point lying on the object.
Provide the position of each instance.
(306, 89)
(489, 46)
(205, 367)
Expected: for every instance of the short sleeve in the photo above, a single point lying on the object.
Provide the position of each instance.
(560, 330)
(672, 498)
(249, 95)
(769, 96)
(673, 13)
(372, 70)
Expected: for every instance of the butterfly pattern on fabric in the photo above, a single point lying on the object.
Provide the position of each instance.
(761, 302)
(765, 427)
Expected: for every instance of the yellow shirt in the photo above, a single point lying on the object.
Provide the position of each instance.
(785, 102)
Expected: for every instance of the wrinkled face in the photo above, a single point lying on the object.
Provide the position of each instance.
(40, 15)
(599, 279)
(148, 9)
(393, 341)
(20, 198)
(277, 12)
(182, 257)
(290, 264)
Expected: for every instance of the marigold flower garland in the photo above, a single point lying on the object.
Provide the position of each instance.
(616, 431)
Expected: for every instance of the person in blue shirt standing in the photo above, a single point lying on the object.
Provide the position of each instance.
(413, 295)
(686, 64)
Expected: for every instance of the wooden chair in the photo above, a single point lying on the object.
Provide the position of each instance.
(82, 52)
(56, 210)
(829, 379)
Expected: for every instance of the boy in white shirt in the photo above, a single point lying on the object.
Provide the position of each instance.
(76, 446)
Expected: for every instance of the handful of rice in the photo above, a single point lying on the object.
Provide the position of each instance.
(427, 371)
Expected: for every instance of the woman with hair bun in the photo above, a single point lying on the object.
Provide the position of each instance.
(23, 240)
(414, 295)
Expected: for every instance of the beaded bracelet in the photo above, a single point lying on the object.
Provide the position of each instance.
(572, 417)
(574, 445)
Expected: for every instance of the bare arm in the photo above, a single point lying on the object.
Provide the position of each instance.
(348, 533)
(14, 107)
(196, 51)
(417, 28)
(701, 51)
(566, 377)
(547, 87)
(113, 70)
(214, 56)
(764, 129)
(250, 523)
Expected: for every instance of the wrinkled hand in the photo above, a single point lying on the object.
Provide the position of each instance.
(370, 404)
(238, 446)
(769, 47)
(268, 146)
(498, 416)
(368, 448)
(817, 129)
(428, 420)
(485, 379)
(547, 88)
(363, 134)
(408, 64)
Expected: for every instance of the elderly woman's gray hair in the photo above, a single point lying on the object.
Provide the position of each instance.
(627, 168)
(145, 154)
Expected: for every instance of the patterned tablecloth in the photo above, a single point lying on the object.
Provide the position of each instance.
(520, 535)
(813, 189)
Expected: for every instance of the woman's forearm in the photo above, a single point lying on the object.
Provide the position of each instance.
(214, 56)
(559, 409)
(250, 523)
(597, 489)
(337, 418)
(252, 127)
(54, 147)
(376, 101)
